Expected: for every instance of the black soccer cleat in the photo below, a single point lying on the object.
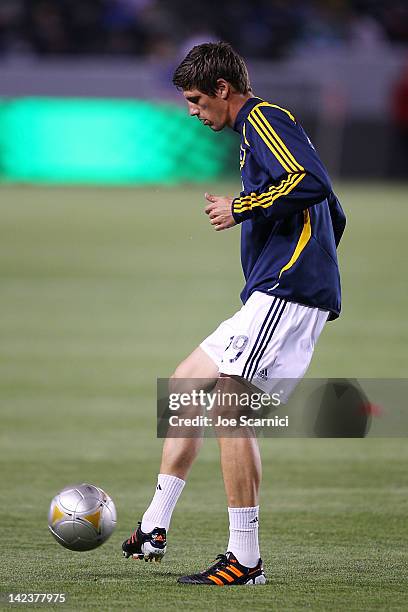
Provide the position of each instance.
(148, 546)
(227, 571)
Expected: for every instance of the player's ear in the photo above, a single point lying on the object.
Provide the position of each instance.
(223, 88)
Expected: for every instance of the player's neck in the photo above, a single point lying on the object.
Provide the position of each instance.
(237, 102)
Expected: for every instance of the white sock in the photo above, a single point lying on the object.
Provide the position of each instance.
(243, 539)
(158, 514)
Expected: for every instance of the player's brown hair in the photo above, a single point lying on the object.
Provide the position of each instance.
(206, 63)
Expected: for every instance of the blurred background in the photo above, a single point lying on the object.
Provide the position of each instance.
(340, 65)
(110, 275)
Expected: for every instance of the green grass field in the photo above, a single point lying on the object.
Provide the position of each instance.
(104, 290)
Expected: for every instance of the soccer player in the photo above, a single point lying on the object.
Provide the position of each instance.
(291, 223)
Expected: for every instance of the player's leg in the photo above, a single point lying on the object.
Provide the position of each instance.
(149, 539)
(283, 358)
(272, 339)
(280, 357)
(241, 470)
(179, 453)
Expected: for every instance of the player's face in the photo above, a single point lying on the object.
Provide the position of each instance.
(210, 110)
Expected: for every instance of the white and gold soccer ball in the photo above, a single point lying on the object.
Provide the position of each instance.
(82, 517)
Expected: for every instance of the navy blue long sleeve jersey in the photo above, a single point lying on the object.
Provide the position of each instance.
(291, 220)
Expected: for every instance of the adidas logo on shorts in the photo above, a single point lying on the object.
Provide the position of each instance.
(263, 374)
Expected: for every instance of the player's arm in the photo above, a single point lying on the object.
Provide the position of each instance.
(298, 178)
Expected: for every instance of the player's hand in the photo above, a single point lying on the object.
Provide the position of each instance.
(219, 211)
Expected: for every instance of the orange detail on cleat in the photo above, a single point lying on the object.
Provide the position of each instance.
(216, 580)
(235, 570)
(225, 575)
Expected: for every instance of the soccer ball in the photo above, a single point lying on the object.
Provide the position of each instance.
(82, 517)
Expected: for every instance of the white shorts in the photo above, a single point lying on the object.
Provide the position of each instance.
(266, 341)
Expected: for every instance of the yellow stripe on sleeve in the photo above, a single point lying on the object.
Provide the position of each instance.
(277, 140)
(262, 197)
(264, 135)
(289, 114)
(267, 199)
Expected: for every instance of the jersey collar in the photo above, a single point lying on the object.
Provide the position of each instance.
(244, 112)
